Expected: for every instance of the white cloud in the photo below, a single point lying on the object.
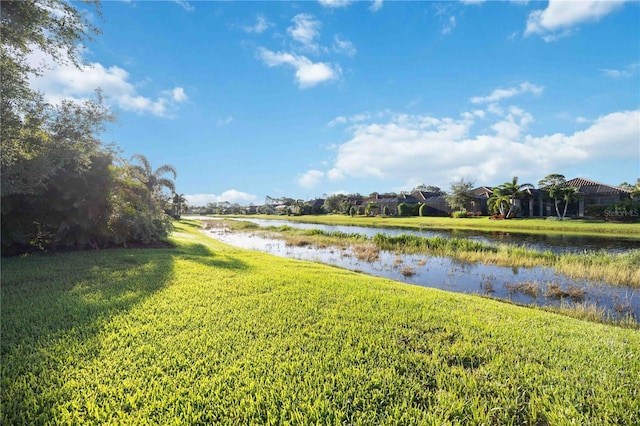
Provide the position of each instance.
(334, 3)
(513, 124)
(628, 71)
(221, 122)
(261, 25)
(308, 73)
(560, 16)
(232, 196)
(67, 81)
(376, 5)
(310, 179)
(305, 31)
(338, 120)
(473, 1)
(358, 118)
(343, 46)
(185, 5)
(449, 26)
(407, 147)
(500, 94)
(178, 94)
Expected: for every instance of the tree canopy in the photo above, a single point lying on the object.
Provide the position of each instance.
(60, 185)
(461, 194)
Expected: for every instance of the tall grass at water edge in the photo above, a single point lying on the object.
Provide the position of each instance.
(616, 269)
(584, 227)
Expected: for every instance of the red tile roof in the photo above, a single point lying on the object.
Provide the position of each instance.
(587, 186)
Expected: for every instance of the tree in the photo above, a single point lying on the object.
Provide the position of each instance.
(372, 209)
(429, 188)
(179, 205)
(55, 28)
(461, 194)
(133, 219)
(153, 179)
(499, 202)
(570, 194)
(60, 187)
(634, 189)
(54, 189)
(512, 190)
(554, 184)
(332, 203)
(559, 191)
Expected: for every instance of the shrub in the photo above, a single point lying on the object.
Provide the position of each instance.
(404, 209)
(595, 210)
(459, 214)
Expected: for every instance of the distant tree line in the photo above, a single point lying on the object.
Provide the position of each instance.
(61, 186)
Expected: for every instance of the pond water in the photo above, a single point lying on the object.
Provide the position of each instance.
(540, 286)
(541, 242)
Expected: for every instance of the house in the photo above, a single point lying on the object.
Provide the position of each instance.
(315, 206)
(250, 210)
(595, 193)
(435, 202)
(390, 202)
(537, 203)
(482, 194)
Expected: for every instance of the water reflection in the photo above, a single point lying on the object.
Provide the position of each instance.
(541, 286)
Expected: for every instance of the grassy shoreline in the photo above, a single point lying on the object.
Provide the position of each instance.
(485, 224)
(208, 333)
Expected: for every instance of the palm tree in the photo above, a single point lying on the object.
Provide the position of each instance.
(512, 190)
(569, 195)
(555, 184)
(153, 179)
(499, 201)
(179, 204)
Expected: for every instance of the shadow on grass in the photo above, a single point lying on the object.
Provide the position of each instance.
(205, 255)
(45, 296)
(56, 309)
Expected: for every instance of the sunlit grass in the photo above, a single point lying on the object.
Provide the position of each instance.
(205, 333)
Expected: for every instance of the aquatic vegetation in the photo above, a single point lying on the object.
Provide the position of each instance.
(615, 269)
(366, 252)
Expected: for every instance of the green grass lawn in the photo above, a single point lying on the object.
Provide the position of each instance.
(205, 333)
(525, 225)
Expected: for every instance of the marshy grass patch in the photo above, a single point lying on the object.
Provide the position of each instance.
(555, 291)
(297, 241)
(596, 314)
(407, 271)
(529, 288)
(366, 252)
(621, 269)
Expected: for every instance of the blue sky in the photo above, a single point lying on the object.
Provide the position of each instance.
(301, 99)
